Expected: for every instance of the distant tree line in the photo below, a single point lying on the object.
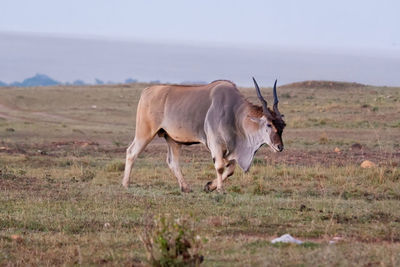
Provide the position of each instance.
(44, 80)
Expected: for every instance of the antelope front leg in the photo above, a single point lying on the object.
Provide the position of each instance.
(229, 170)
(220, 168)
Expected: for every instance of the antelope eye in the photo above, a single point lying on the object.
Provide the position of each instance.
(269, 125)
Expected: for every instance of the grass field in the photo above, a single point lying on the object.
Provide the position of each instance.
(61, 203)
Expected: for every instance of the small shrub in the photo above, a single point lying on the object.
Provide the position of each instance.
(311, 245)
(87, 175)
(395, 124)
(259, 189)
(7, 174)
(115, 166)
(117, 143)
(218, 198)
(171, 242)
(282, 245)
(258, 161)
(79, 173)
(235, 189)
(78, 131)
(65, 163)
(323, 139)
(21, 172)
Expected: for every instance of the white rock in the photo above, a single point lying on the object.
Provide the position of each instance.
(335, 240)
(286, 238)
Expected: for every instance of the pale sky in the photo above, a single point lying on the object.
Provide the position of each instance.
(371, 24)
(182, 40)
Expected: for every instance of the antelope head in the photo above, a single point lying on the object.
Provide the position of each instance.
(271, 121)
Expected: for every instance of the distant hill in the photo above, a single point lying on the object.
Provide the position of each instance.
(15, 84)
(322, 84)
(130, 80)
(37, 80)
(98, 81)
(78, 82)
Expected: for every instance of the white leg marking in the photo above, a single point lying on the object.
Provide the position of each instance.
(132, 153)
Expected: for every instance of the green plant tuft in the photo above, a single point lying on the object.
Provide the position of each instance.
(172, 242)
(115, 166)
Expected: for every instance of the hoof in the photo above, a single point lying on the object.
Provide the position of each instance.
(207, 187)
(186, 190)
(126, 186)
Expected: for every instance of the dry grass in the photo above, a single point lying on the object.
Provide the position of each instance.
(61, 202)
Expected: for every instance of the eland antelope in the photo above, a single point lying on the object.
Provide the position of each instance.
(216, 115)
